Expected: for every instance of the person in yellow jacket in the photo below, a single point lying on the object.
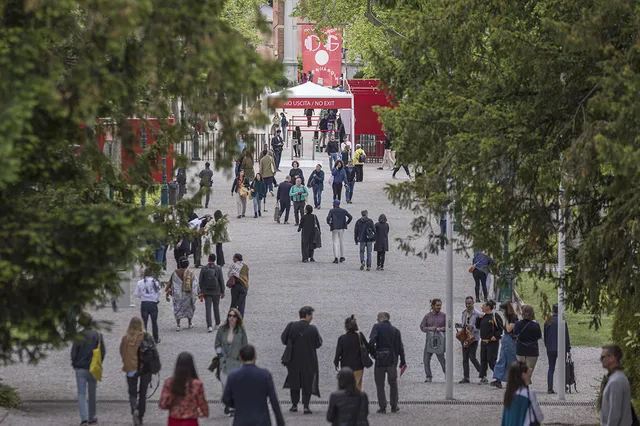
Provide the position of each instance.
(358, 160)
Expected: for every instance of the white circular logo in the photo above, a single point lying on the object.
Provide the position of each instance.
(322, 57)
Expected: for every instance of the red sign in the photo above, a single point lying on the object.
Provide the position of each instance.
(324, 60)
(304, 103)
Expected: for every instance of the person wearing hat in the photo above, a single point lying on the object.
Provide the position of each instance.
(338, 220)
(316, 181)
(357, 161)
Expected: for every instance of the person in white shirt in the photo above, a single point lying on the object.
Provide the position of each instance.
(148, 290)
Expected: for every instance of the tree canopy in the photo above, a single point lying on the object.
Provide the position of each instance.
(64, 66)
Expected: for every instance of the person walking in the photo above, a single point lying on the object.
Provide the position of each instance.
(296, 172)
(258, 192)
(240, 187)
(283, 125)
(387, 159)
(206, 182)
(338, 220)
(528, 333)
(247, 165)
(345, 152)
(386, 342)
(520, 403)
(381, 246)
(397, 167)
(218, 228)
(614, 400)
(277, 144)
(309, 112)
(480, 269)
(359, 157)
(310, 228)
(284, 199)
(469, 346)
(490, 326)
(268, 170)
(433, 324)
(298, 194)
(551, 344)
(323, 128)
(183, 394)
(247, 391)
(364, 234)
(229, 339)
(183, 287)
(352, 176)
(316, 182)
(134, 371)
(348, 405)
(341, 132)
(349, 353)
(181, 178)
(339, 178)
(148, 291)
(333, 151)
(211, 290)
(507, 344)
(81, 356)
(302, 340)
(238, 282)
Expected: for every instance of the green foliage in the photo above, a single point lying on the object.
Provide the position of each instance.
(9, 397)
(64, 66)
(627, 321)
(245, 17)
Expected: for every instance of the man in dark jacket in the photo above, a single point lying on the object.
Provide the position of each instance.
(551, 343)
(211, 290)
(302, 340)
(81, 355)
(364, 234)
(386, 342)
(284, 199)
(323, 127)
(206, 181)
(277, 144)
(181, 178)
(247, 390)
(338, 219)
(333, 150)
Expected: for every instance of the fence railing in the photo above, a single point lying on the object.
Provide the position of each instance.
(207, 144)
(373, 146)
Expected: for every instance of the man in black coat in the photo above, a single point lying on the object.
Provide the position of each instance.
(277, 144)
(211, 289)
(387, 346)
(323, 127)
(338, 219)
(302, 340)
(284, 199)
(364, 234)
(247, 391)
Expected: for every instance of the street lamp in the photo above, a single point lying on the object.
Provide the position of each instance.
(164, 191)
(182, 124)
(143, 196)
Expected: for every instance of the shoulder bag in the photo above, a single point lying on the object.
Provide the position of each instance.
(472, 268)
(535, 421)
(367, 362)
(95, 368)
(385, 356)
(286, 355)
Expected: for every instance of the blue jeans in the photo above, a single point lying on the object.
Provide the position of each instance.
(332, 160)
(317, 196)
(86, 381)
(368, 245)
(158, 255)
(278, 156)
(350, 188)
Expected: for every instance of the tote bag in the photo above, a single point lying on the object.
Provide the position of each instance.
(95, 368)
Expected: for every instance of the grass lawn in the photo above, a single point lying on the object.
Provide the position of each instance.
(579, 330)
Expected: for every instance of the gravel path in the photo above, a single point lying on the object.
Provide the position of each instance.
(279, 285)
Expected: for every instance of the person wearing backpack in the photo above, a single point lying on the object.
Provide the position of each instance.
(82, 360)
(138, 378)
(359, 158)
(148, 291)
(211, 290)
(364, 234)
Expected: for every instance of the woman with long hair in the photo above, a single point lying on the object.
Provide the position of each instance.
(247, 164)
(309, 226)
(528, 332)
(231, 337)
(258, 191)
(241, 188)
(183, 394)
(339, 179)
(183, 287)
(348, 352)
(490, 326)
(348, 405)
(135, 373)
(507, 348)
(521, 406)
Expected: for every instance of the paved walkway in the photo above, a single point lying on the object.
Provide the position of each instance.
(279, 285)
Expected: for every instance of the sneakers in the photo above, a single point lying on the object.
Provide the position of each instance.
(382, 268)
(483, 381)
(368, 267)
(294, 409)
(304, 260)
(427, 380)
(190, 325)
(395, 409)
(255, 215)
(463, 381)
(362, 266)
(84, 423)
(178, 328)
(312, 260)
(496, 384)
(136, 418)
(278, 220)
(342, 259)
(95, 421)
(378, 268)
(210, 330)
(551, 392)
(335, 260)
(307, 410)
(382, 411)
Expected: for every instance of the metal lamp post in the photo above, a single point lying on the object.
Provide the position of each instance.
(164, 191)
(113, 134)
(196, 140)
(143, 196)
(182, 124)
(450, 324)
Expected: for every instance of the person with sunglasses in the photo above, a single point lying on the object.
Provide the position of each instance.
(231, 337)
(521, 406)
(614, 400)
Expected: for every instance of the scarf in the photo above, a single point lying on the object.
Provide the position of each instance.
(240, 271)
(187, 281)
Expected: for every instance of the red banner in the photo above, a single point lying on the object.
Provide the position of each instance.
(324, 60)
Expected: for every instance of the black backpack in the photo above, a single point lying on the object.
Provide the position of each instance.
(209, 278)
(148, 356)
(570, 376)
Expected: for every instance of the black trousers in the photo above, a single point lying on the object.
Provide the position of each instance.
(197, 252)
(219, 255)
(295, 398)
(307, 250)
(406, 169)
(391, 373)
(298, 210)
(150, 309)
(212, 301)
(359, 172)
(469, 353)
(381, 256)
(238, 298)
(285, 207)
(138, 394)
(337, 191)
(488, 356)
(480, 277)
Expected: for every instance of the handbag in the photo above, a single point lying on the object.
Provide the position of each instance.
(535, 421)
(367, 362)
(464, 336)
(95, 368)
(286, 355)
(243, 191)
(472, 268)
(331, 180)
(276, 212)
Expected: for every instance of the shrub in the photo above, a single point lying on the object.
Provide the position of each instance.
(9, 397)
(625, 320)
